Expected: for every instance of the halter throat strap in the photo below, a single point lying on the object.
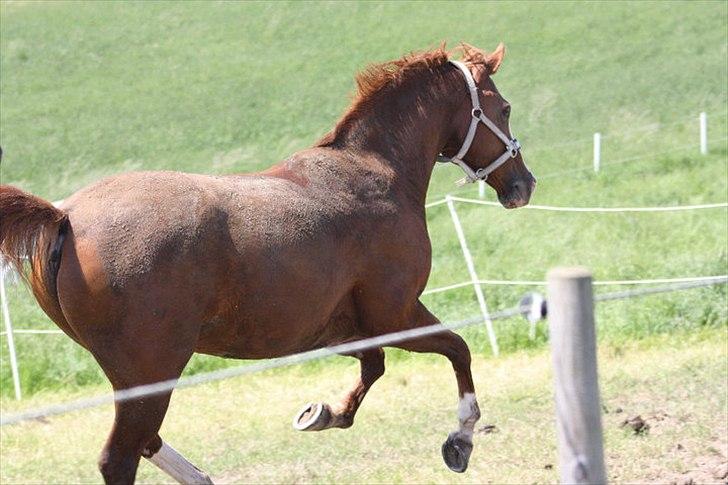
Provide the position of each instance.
(477, 116)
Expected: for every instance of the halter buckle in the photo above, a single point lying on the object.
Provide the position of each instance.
(513, 148)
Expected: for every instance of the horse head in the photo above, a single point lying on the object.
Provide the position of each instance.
(487, 151)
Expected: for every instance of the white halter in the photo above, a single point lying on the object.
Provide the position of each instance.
(512, 145)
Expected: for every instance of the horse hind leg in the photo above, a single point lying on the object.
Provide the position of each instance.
(134, 435)
(137, 354)
(320, 416)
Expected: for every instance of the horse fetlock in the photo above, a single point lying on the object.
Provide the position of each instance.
(343, 420)
(468, 412)
(456, 451)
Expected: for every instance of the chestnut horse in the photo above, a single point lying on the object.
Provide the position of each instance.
(329, 246)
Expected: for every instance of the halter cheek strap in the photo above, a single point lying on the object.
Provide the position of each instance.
(512, 145)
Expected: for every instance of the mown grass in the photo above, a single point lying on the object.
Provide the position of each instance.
(92, 89)
(239, 430)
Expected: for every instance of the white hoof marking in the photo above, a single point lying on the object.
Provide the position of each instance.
(468, 413)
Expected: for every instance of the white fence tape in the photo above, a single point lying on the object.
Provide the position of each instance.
(668, 208)
(652, 281)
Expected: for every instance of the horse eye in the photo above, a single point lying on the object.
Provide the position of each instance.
(507, 111)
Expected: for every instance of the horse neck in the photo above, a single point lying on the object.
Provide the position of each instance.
(406, 129)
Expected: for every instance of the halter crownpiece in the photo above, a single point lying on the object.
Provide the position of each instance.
(512, 145)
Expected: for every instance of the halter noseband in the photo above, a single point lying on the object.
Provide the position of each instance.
(512, 145)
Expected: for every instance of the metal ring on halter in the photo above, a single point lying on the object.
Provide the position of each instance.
(514, 147)
(481, 174)
(476, 113)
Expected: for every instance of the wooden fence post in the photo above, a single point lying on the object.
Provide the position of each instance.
(573, 350)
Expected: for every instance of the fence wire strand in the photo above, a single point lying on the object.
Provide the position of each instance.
(652, 281)
(553, 208)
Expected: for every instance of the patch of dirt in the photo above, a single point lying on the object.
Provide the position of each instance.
(637, 424)
(702, 461)
(707, 468)
(656, 421)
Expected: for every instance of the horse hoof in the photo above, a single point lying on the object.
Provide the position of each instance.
(313, 417)
(456, 453)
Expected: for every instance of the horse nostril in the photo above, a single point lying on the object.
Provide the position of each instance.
(522, 189)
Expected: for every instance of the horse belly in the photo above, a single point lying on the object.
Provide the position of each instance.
(283, 300)
(281, 325)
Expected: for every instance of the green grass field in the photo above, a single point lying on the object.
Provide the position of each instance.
(93, 89)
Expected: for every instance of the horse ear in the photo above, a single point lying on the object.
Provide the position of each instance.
(493, 61)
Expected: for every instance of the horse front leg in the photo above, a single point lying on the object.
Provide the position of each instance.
(319, 416)
(459, 444)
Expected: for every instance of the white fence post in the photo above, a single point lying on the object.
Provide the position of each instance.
(597, 151)
(9, 335)
(473, 275)
(573, 348)
(703, 133)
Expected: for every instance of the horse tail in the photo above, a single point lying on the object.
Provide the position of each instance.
(32, 231)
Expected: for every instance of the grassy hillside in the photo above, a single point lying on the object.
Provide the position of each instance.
(91, 89)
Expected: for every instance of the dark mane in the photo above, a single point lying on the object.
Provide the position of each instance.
(378, 78)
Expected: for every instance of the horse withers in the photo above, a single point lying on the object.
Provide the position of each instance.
(144, 269)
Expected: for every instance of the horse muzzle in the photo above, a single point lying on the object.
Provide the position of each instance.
(519, 193)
